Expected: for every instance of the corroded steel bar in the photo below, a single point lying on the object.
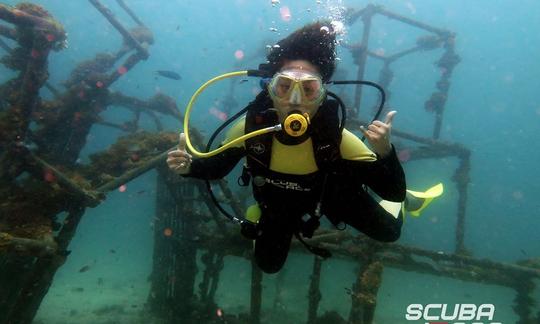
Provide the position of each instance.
(358, 250)
(361, 58)
(461, 177)
(454, 147)
(19, 17)
(22, 245)
(130, 62)
(401, 54)
(130, 12)
(455, 258)
(134, 173)
(314, 290)
(8, 33)
(412, 22)
(256, 294)
(143, 52)
(90, 197)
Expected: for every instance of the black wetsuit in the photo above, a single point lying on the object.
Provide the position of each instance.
(285, 198)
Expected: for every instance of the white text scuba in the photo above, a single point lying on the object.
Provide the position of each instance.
(461, 314)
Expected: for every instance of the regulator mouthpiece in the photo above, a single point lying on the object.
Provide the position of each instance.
(296, 124)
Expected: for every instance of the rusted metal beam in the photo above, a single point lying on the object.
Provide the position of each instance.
(90, 197)
(256, 294)
(462, 179)
(412, 22)
(107, 13)
(130, 12)
(134, 173)
(8, 33)
(19, 17)
(25, 246)
(314, 290)
(360, 56)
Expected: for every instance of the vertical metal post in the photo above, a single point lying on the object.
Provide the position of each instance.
(256, 294)
(461, 177)
(361, 57)
(314, 290)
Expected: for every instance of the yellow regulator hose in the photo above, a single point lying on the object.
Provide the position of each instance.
(231, 143)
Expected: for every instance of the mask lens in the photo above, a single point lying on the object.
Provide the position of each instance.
(282, 87)
(283, 84)
(312, 89)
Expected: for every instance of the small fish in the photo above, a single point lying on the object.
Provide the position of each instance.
(140, 192)
(85, 268)
(178, 27)
(169, 74)
(112, 251)
(243, 81)
(523, 252)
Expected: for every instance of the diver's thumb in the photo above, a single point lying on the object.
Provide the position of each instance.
(182, 142)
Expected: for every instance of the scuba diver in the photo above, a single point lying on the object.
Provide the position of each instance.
(312, 166)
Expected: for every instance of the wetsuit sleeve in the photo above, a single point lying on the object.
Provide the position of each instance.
(384, 176)
(218, 166)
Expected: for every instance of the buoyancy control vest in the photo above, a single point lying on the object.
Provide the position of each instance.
(325, 135)
(324, 131)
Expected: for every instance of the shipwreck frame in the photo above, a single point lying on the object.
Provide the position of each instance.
(40, 179)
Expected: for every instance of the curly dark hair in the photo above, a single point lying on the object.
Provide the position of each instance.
(315, 43)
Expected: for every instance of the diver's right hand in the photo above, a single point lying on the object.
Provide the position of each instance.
(179, 160)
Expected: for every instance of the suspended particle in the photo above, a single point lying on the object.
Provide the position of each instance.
(404, 155)
(167, 232)
(239, 54)
(285, 13)
(48, 175)
(122, 70)
(34, 53)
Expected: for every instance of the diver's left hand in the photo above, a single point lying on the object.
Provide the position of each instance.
(378, 134)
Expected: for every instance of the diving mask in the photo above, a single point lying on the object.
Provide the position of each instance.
(296, 87)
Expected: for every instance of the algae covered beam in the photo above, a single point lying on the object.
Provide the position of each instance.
(134, 173)
(8, 32)
(91, 198)
(143, 52)
(20, 17)
(4, 45)
(22, 245)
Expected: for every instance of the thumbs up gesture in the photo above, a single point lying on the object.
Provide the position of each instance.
(179, 160)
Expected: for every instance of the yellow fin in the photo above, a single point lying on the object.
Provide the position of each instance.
(428, 197)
